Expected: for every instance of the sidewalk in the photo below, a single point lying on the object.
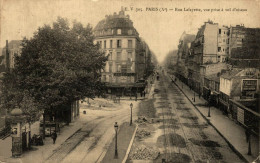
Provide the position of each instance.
(233, 133)
(124, 140)
(41, 153)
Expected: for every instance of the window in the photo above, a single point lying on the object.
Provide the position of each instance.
(118, 43)
(111, 43)
(130, 32)
(118, 68)
(119, 31)
(219, 31)
(124, 68)
(128, 79)
(224, 40)
(104, 78)
(129, 56)
(110, 78)
(110, 56)
(129, 68)
(117, 79)
(105, 44)
(130, 44)
(118, 56)
(110, 67)
(100, 43)
(219, 49)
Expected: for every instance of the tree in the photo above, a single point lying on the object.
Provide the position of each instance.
(57, 66)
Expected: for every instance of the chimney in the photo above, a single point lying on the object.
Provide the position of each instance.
(7, 57)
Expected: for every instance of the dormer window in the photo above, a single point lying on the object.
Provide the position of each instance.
(130, 32)
(119, 32)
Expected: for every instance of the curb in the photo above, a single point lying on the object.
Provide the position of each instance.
(130, 145)
(226, 140)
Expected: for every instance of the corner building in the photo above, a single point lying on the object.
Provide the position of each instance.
(120, 41)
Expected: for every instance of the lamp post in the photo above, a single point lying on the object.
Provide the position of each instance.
(116, 129)
(199, 91)
(131, 106)
(209, 101)
(194, 96)
(248, 135)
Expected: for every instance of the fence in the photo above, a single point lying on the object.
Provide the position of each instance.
(245, 116)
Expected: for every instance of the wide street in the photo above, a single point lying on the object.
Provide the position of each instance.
(182, 135)
(89, 144)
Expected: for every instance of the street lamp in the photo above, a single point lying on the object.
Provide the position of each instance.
(131, 106)
(194, 95)
(248, 135)
(209, 101)
(116, 129)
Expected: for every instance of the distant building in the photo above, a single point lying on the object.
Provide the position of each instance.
(128, 56)
(211, 87)
(244, 46)
(183, 54)
(14, 49)
(239, 85)
(208, 51)
(205, 43)
(209, 73)
(223, 44)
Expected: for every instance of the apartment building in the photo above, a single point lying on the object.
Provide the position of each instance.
(244, 47)
(127, 53)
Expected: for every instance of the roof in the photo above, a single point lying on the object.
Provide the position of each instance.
(213, 77)
(230, 74)
(11, 45)
(189, 37)
(14, 43)
(115, 21)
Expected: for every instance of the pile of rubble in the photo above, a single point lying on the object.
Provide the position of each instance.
(144, 153)
(141, 133)
(141, 119)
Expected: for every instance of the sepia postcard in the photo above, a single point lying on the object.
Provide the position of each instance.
(131, 81)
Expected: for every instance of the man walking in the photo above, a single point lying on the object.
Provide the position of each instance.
(54, 137)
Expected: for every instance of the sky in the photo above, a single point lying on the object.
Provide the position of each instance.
(160, 29)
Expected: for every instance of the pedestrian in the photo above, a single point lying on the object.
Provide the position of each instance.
(54, 137)
(144, 94)
(141, 93)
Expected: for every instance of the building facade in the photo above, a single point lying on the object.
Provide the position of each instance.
(127, 53)
(208, 56)
(14, 49)
(244, 47)
(239, 85)
(223, 43)
(182, 56)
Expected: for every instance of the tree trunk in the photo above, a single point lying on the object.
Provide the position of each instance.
(43, 127)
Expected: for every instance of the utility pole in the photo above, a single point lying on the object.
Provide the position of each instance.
(7, 58)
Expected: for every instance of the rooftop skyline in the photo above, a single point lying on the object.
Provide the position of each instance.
(161, 30)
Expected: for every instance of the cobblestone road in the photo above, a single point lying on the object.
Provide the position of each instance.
(187, 136)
